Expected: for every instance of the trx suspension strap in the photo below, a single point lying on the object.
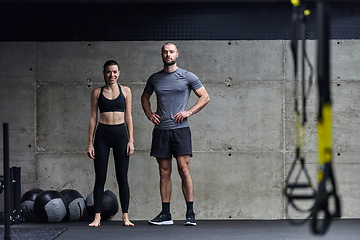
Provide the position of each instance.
(298, 187)
(322, 214)
(326, 201)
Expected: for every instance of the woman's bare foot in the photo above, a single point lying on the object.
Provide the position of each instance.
(126, 221)
(96, 222)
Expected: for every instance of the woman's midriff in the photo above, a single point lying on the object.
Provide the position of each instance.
(112, 118)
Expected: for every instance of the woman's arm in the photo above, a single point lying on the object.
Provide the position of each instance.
(128, 119)
(93, 121)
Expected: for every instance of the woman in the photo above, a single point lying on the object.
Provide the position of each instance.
(115, 130)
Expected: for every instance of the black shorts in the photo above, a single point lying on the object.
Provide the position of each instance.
(171, 143)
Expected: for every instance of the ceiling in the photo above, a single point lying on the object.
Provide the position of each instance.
(131, 1)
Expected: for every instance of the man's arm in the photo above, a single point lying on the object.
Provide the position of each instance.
(204, 98)
(146, 105)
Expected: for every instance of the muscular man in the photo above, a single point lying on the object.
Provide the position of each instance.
(171, 134)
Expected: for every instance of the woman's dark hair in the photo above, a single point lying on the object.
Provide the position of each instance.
(110, 63)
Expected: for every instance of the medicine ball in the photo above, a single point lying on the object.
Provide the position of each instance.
(27, 205)
(50, 206)
(75, 204)
(109, 205)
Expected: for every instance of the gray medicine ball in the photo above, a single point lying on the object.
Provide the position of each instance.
(109, 205)
(50, 206)
(27, 205)
(75, 204)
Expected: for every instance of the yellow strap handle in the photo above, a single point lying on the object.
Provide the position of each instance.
(324, 138)
(296, 3)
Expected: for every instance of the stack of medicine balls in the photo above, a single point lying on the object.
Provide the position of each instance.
(68, 205)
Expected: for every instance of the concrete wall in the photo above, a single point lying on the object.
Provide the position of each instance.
(243, 140)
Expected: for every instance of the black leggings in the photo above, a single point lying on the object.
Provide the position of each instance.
(115, 137)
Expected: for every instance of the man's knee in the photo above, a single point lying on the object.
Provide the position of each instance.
(185, 173)
(165, 173)
(164, 167)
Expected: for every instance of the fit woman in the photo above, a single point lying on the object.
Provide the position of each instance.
(115, 130)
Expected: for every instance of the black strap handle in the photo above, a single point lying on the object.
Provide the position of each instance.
(320, 225)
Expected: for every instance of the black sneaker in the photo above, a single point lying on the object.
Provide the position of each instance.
(190, 219)
(162, 219)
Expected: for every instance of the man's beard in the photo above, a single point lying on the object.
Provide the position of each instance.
(169, 63)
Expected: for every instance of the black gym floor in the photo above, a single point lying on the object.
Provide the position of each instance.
(344, 229)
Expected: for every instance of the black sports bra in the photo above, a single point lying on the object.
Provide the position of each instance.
(114, 105)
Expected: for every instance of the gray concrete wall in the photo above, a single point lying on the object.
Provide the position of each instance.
(243, 140)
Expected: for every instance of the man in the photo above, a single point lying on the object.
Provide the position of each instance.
(171, 134)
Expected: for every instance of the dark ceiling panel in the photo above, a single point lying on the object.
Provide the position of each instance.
(131, 1)
(159, 21)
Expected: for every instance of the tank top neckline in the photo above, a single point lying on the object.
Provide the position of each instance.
(114, 98)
